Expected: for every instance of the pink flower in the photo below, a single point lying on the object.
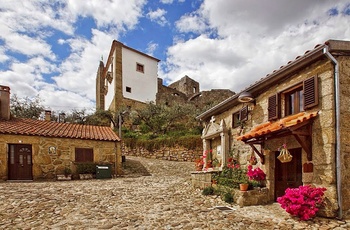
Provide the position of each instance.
(256, 174)
(302, 202)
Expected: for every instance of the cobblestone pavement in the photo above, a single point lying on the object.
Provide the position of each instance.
(154, 194)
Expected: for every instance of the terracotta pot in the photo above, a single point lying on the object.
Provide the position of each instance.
(243, 187)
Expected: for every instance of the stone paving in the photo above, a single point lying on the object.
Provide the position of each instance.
(154, 194)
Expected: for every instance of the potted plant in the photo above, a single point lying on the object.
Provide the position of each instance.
(257, 176)
(86, 170)
(243, 182)
(66, 175)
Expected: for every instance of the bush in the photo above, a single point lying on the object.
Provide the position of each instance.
(302, 202)
(208, 191)
(228, 198)
(86, 168)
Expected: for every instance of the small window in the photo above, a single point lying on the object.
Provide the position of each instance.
(84, 155)
(243, 114)
(235, 120)
(140, 67)
(128, 89)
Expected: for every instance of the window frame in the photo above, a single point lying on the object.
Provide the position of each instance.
(88, 155)
(140, 67)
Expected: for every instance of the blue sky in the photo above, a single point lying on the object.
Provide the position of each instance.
(53, 48)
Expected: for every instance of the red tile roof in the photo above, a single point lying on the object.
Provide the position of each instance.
(25, 126)
(270, 127)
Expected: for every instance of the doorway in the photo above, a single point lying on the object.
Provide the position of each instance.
(288, 175)
(20, 162)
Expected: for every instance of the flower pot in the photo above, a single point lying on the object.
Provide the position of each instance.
(243, 187)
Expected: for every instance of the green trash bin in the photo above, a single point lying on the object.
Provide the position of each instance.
(103, 171)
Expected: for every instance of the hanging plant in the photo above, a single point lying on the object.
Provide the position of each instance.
(285, 155)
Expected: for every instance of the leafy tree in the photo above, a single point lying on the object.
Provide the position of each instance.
(162, 119)
(26, 107)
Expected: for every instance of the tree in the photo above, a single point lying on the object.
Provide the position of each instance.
(26, 107)
(161, 119)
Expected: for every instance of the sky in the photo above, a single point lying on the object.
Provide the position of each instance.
(52, 48)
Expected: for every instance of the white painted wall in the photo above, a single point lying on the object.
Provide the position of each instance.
(143, 85)
(111, 87)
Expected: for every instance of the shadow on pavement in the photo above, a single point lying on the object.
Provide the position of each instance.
(134, 168)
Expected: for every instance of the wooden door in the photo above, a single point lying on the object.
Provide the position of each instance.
(20, 162)
(288, 175)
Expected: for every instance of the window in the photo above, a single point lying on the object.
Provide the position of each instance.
(140, 67)
(84, 155)
(295, 99)
(128, 89)
(235, 120)
(239, 117)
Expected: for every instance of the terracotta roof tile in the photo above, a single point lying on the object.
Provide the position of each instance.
(24, 126)
(270, 127)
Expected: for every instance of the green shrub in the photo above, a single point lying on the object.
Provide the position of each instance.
(208, 191)
(86, 167)
(228, 198)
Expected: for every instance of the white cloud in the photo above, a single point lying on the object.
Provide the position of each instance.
(191, 23)
(158, 16)
(249, 39)
(166, 1)
(151, 47)
(122, 14)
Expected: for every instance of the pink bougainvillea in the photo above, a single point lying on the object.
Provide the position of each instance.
(256, 174)
(302, 202)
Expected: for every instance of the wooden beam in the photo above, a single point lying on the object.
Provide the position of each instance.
(262, 157)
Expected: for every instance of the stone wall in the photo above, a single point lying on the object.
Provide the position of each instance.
(47, 166)
(323, 135)
(177, 153)
(256, 196)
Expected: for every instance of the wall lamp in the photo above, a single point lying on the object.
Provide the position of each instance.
(246, 97)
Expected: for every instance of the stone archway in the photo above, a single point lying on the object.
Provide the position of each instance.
(214, 131)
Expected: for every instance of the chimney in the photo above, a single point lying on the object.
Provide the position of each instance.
(47, 115)
(61, 117)
(4, 102)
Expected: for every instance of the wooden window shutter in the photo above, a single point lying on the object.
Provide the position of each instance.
(310, 86)
(273, 107)
(84, 155)
(243, 114)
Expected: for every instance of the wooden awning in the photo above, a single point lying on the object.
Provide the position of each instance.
(298, 125)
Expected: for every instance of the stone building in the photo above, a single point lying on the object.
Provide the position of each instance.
(129, 79)
(304, 105)
(187, 90)
(35, 149)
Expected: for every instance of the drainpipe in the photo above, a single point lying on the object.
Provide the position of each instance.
(337, 129)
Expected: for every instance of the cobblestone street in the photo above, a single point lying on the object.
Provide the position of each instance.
(154, 194)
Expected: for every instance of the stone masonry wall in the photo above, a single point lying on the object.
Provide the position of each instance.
(177, 153)
(47, 166)
(323, 136)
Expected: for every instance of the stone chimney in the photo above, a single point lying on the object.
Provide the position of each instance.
(61, 117)
(4, 102)
(47, 115)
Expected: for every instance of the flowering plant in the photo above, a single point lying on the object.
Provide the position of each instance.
(199, 163)
(256, 174)
(302, 202)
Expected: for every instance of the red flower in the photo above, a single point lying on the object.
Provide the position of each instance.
(256, 174)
